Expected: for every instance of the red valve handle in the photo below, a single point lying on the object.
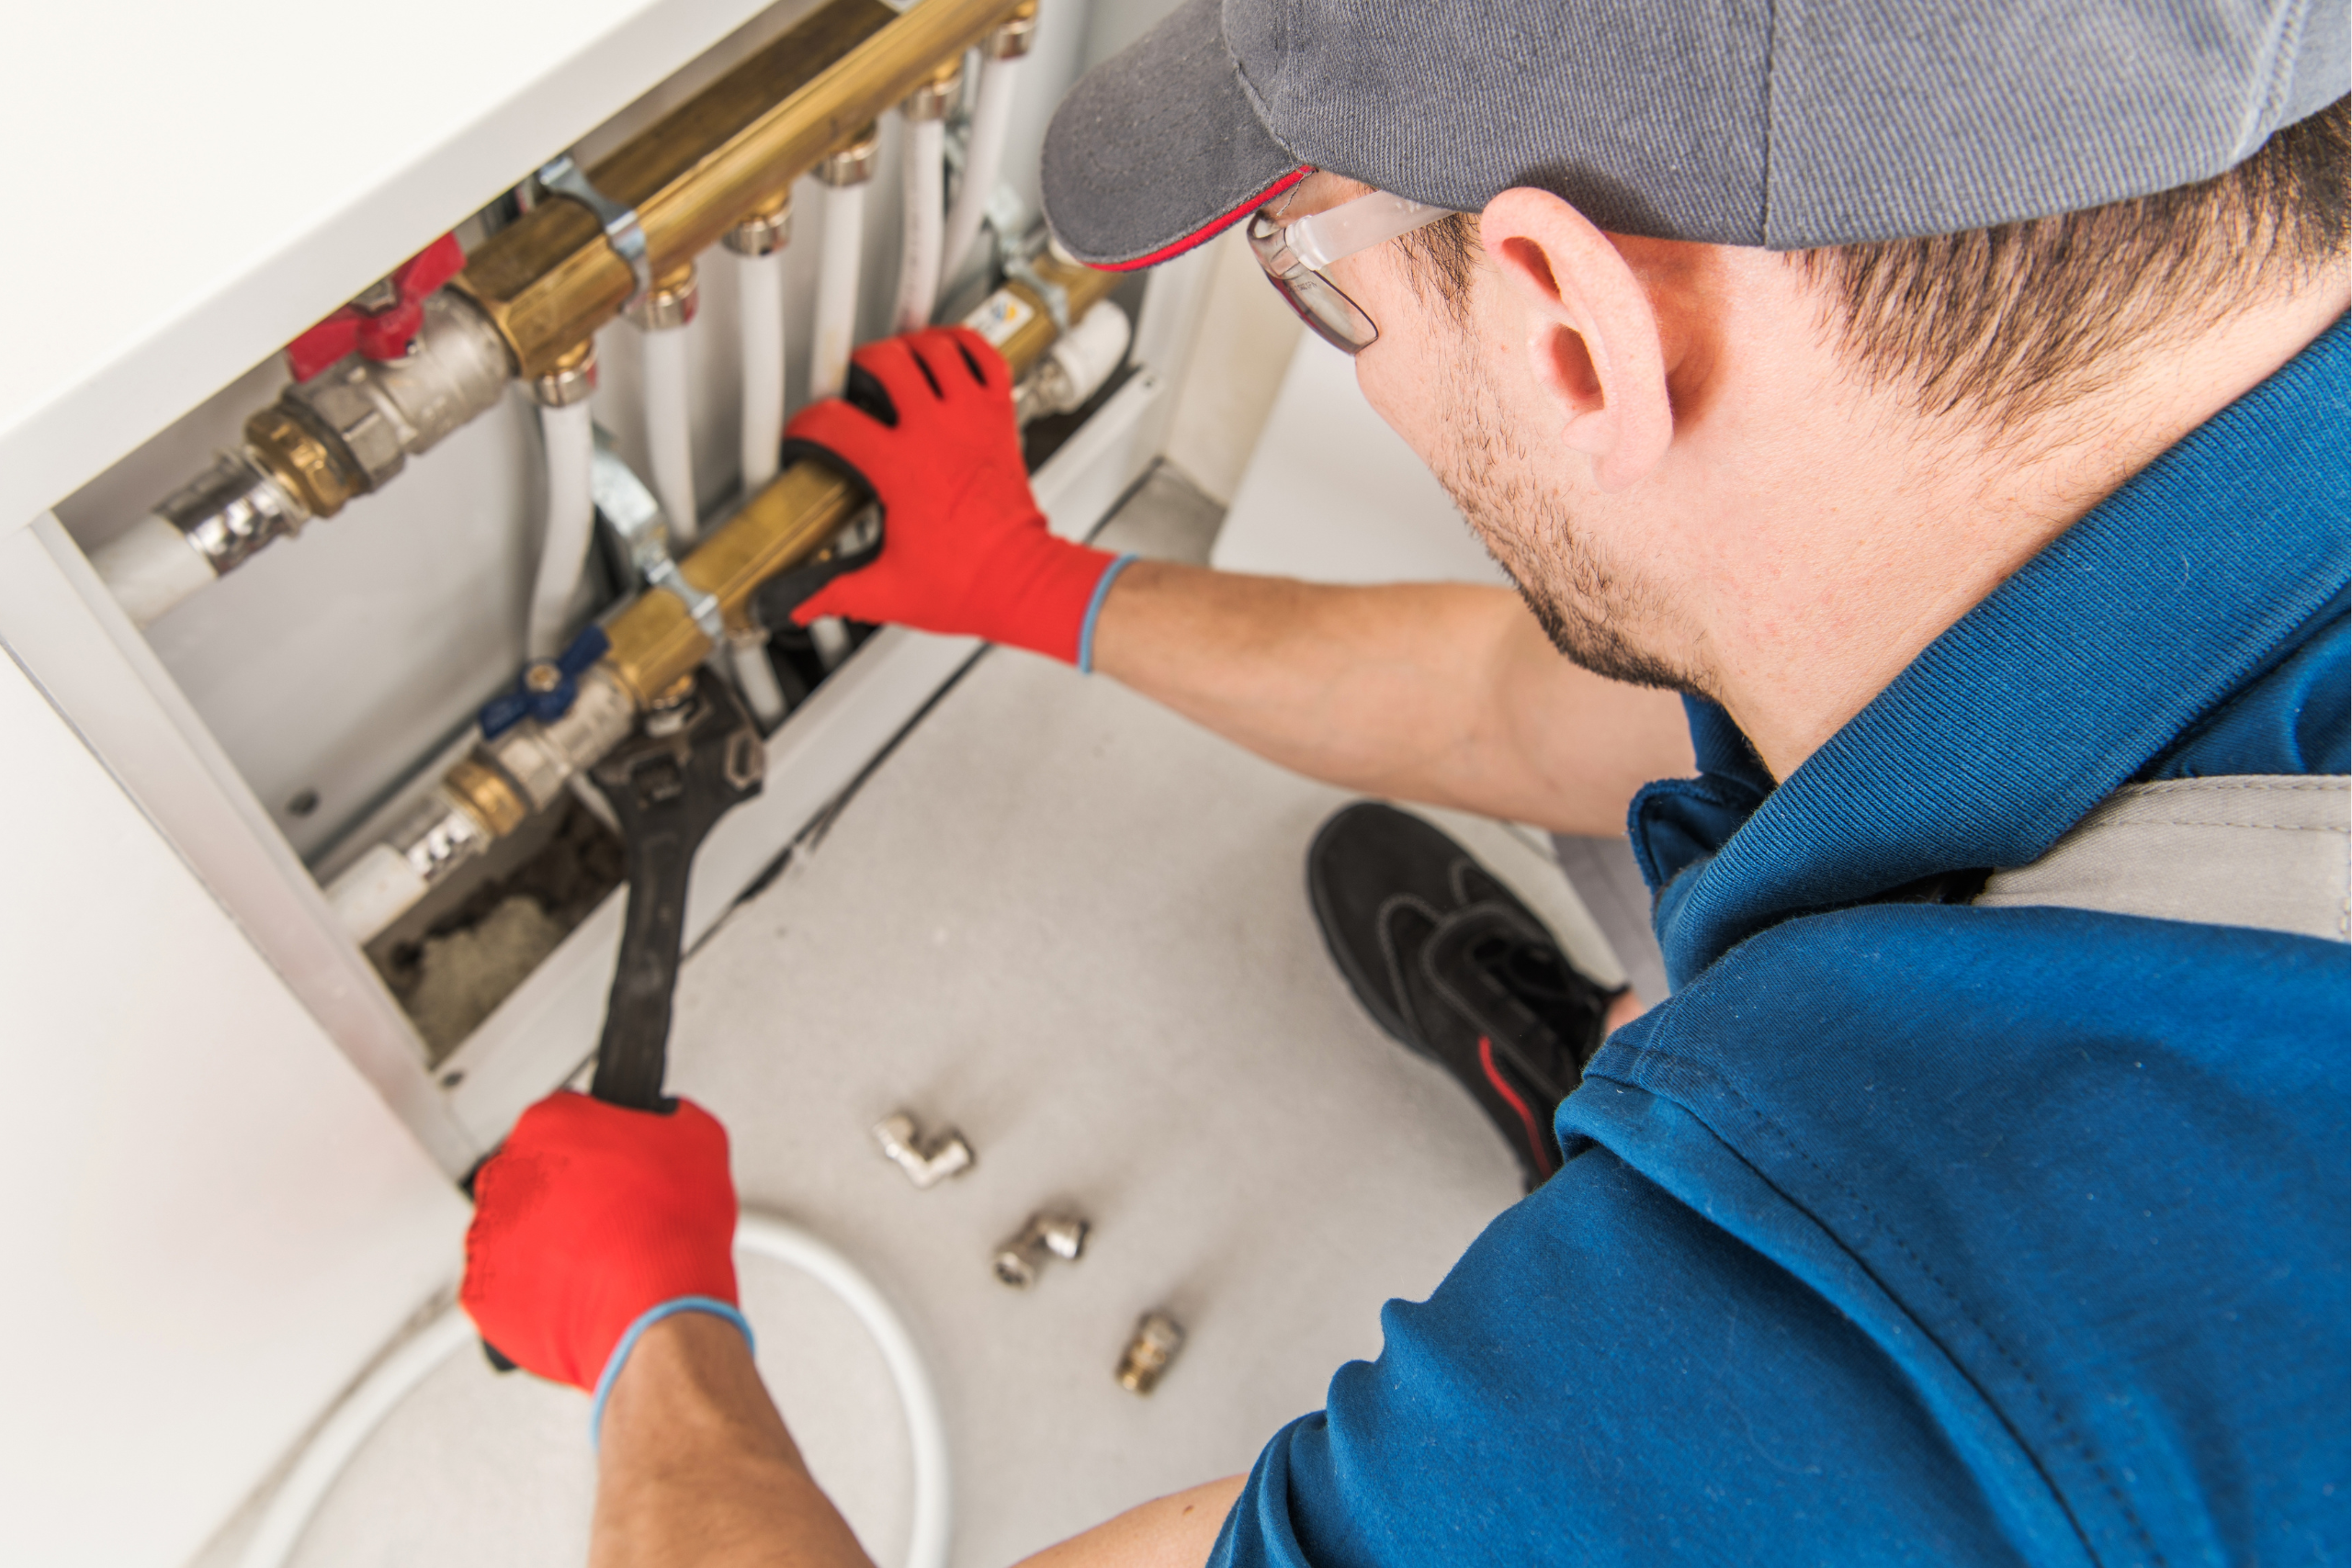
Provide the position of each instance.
(385, 333)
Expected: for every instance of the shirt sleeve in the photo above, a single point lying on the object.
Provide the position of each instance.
(1604, 1377)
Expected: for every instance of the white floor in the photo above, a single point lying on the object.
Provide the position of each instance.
(1074, 927)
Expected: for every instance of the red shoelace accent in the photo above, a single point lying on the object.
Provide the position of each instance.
(1536, 1142)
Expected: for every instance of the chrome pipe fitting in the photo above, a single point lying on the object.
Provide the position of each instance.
(382, 412)
(541, 759)
(927, 1162)
(573, 381)
(669, 304)
(232, 509)
(439, 835)
(937, 96)
(853, 164)
(763, 233)
(1014, 37)
(1047, 1236)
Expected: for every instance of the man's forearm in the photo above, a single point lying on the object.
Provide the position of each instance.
(1443, 692)
(695, 1466)
(695, 1470)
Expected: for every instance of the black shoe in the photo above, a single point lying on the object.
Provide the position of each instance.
(1450, 963)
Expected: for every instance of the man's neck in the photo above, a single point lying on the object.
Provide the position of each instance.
(1906, 536)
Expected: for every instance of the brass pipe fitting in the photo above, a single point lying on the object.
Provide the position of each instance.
(1156, 1339)
(550, 280)
(488, 796)
(318, 476)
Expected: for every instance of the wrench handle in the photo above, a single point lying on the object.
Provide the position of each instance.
(633, 1052)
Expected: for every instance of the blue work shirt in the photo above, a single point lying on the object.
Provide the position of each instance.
(1913, 1232)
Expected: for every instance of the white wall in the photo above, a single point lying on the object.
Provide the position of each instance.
(1332, 494)
(210, 1222)
(1238, 359)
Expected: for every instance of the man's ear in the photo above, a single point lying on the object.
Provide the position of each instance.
(1593, 340)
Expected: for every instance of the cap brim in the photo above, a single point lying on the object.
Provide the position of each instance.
(1158, 149)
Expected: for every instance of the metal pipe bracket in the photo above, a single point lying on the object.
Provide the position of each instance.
(562, 175)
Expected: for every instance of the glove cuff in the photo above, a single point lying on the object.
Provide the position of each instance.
(1043, 597)
(645, 1320)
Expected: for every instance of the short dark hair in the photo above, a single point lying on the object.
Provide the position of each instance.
(1998, 326)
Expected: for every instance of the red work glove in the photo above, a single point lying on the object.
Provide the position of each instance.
(590, 1218)
(965, 550)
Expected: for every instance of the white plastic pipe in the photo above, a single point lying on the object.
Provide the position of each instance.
(924, 185)
(983, 157)
(755, 678)
(570, 442)
(374, 890)
(836, 327)
(762, 1235)
(762, 282)
(830, 636)
(669, 429)
(380, 1392)
(150, 567)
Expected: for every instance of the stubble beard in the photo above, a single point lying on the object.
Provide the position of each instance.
(1596, 614)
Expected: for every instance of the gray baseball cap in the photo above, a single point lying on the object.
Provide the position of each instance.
(1782, 123)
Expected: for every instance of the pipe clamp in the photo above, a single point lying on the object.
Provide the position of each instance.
(560, 176)
(701, 606)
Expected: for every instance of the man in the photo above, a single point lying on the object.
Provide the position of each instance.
(1978, 1195)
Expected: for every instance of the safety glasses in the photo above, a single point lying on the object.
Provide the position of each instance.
(1292, 254)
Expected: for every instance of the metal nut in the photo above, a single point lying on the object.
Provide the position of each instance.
(1156, 1339)
(1045, 1235)
(316, 477)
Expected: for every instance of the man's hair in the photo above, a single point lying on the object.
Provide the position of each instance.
(1996, 326)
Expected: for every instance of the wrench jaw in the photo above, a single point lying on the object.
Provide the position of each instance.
(686, 765)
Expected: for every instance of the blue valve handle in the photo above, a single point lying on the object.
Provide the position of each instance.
(551, 699)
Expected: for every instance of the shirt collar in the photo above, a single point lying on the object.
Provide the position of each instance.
(2049, 694)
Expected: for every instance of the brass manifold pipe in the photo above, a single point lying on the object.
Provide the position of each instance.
(549, 280)
(656, 644)
(530, 298)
